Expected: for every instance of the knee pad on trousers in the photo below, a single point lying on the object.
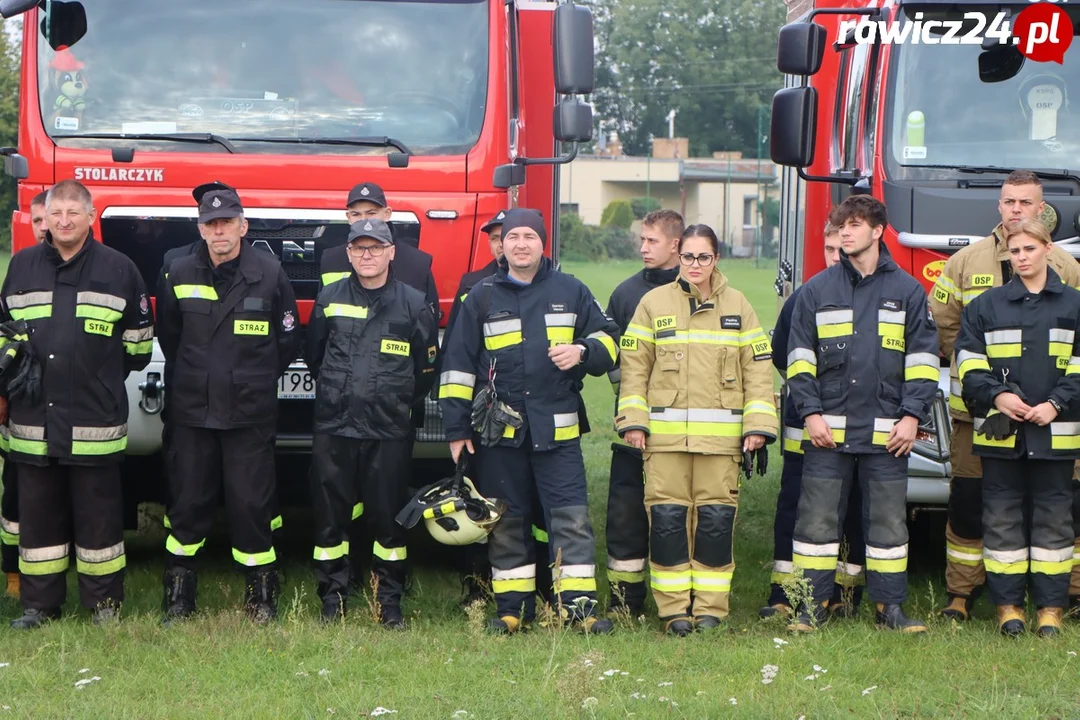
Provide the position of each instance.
(668, 545)
(510, 544)
(965, 507)
(712, 540)
(571, 532)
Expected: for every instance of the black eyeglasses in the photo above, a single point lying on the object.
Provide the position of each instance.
(702, 259)
(372, 250)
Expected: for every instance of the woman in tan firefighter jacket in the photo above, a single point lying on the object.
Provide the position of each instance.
(696, 392)
(1018, 357)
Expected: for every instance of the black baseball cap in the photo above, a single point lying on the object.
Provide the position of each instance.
(369, 192)
(217, 200)
(374, 229)
(493, 222)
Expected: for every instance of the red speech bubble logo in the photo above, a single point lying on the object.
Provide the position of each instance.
(1043, 32)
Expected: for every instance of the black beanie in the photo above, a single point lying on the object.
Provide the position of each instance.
(523, 217)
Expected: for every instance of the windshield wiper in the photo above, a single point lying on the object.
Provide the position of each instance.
(1053, 174)
(368, 141)
(208, 138)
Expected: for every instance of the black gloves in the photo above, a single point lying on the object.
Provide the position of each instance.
(998, 427)
(762, 455)
(20, 374)
(490, 416)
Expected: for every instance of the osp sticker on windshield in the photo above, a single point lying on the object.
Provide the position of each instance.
(115, 174)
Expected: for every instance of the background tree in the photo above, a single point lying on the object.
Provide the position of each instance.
(9, 120)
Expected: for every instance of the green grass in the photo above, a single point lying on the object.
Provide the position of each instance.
(218, 665)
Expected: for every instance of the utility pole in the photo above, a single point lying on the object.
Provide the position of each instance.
(671, 123)
(761, 210)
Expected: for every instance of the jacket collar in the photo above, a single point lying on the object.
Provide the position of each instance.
(659, 276)
(1015, 289)
(248, 268)
(54, 255)
(502, 275)
(719, 283)
(885, 262)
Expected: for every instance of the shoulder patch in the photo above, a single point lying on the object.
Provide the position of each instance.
(628, 343)
(731, 322)
(941, 294)
(762, 349)
(982, 280)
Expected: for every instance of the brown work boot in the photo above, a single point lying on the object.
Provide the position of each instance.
(506, 625)
(1048, 623)
(1011, 620)
(958, 609)
(13, 585)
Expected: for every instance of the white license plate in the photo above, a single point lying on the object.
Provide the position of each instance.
(296, 385)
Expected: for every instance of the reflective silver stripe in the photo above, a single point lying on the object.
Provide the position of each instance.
(524, 572)
(1065, 428)
(1065, 336)
(625, 565)
(964, 355)
(669, 415)
(579, 571)
(794, 434)
(29, 299)
(500, 327)
(1044, 555)
(815, 550)
(696, 415)
(99, 433)
(899, 317)
(615, 375)
(883, 424)
(849, 569)
(27, 432)
(1000, 337)
(102, 299)
(566, 419)
(1006, 556)
(975, 555)
(43, 554)
(956, 388)
(831, 317)
(895, 553)
(100, 556)
(134, 336)
(9, 526)
(802, 354)
(836, 422)
(783, 566)
(4, 432)
(456, 377)
(560, 319)
(915, 359)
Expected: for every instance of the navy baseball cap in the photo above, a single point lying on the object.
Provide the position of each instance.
(374, 229)
(217, 200)
(367, 191)
(493, 222)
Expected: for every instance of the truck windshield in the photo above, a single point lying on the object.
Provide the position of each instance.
(273, 76)
(1013, 113)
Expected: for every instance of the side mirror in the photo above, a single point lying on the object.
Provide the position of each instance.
(1000, 64)
(573, 121)
(508, 176)
(15, 165)
(793, 126)
(574, 64)
(800, 48)
(11, 8)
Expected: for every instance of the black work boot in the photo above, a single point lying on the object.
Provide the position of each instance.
(180, 587)
(390, 616)
(261, 594)
(707, 622)
(807, 621)
(32, 618)
(1074, 607)
(892, 617)
(680, 627)
(390, 579)
(334, 608)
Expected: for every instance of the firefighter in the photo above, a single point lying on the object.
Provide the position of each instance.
(531, 429)
(971, 271)
(9, 503)
(627, 521)
(695, 396)
(862, 372)
(91, 324)
(411, 266)
(1018, 357)
(847, 592)
(371, 346)
(229, 331)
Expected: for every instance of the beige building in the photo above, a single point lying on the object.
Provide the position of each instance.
(721, 191)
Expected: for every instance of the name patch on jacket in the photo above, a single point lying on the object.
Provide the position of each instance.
(892, 343)
(557, 307)
(894, 305)
(731, 322)
(251, 327)
(395, 347)
(99, 327)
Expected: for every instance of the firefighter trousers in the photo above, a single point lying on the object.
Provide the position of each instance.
(557, 478)
(373, 474)
(964, 572)
(53, 500)
(691, 500)
(9, 519)
(244, 460)
(1028, 529)
(828, 479)
(849, 569)
(627, 528)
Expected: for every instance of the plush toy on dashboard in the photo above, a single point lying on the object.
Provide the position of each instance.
(70, 87)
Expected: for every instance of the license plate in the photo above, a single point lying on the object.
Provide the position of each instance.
(296, 385)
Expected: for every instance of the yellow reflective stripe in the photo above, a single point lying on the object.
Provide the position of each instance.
(29, 447)
(357, 510)
(97, 313)
(835, 330)
(977, 439)
(814, 562)
(632, 401)
(1061, 567)
(277, 523)
(324, 554)
(333, 277)
(1004, 350)
(640, 332)
(527, 585)
(567, 433)
(446, 508)
(108, 567)
(921, 372)
(176, 548)
(34, 312)
(897, 565)
(616, 576)
(105, 447)
(573, 584)
(801, 366)
(166, 522)
(254, 559)
(251, 327)
(704, 429)
(1060, 349)
(9, 539)
(453, 390)
(498, 342)
(669, 581)
(203, 292)
(560, 335)
(342, 310)
(539, 535)
(708, 580)
(46, 567)
(1006, 568)
(890, 330)
(143, 347)
(760, 406)
(967, 361)
(389, 554)
(1073, 366)
(607, 341)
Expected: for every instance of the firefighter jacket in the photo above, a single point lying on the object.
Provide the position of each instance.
(91, 324)
(792, 421)
(373, 357)
(227, 346)
(966, 275)
(624, 302)
(695, 371)
(863, 353)
(412, 266)
(1012, 335)
(468, 282)
(498, 335)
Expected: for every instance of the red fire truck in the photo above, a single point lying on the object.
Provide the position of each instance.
(457, 108)
(931, 126)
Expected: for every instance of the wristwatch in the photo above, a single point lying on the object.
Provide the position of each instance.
(584, 352)
(1055, 403)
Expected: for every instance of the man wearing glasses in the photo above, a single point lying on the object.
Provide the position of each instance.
(372, 345)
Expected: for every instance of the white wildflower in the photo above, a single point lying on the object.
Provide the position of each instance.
(609, 673)
(637, 696)
(827, 687)
(82, 683)
(460, 714)
(700, 693)
(869, 690)
(590, 702)
(625, 674)
(324, 672)
(768, 673)
(733, 701)
(588, 662)
(665, 684)
(381, 711)
(1072, 653)
(84, 670)
(779, 641)
(661, 699)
